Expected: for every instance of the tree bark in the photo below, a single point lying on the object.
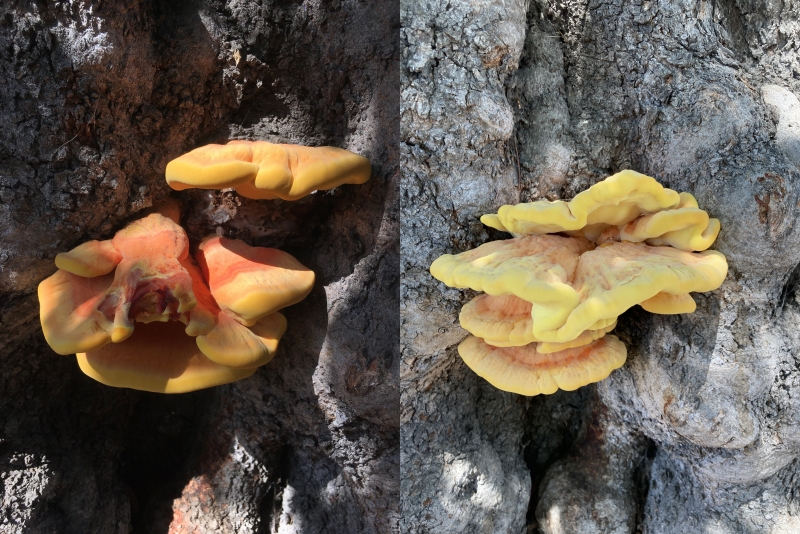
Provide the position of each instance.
(96, 97)
(507, 101)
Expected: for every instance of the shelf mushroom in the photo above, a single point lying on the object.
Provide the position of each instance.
(262, 170)
(119, 305)
(551, 299)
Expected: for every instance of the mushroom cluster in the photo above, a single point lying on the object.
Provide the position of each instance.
(205, 320)
(555, 290)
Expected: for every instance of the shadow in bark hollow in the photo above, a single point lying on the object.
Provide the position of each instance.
(162, 434)
(641, 479)
(789, 292)
(47, 408)
(270, 508)
(553, 424)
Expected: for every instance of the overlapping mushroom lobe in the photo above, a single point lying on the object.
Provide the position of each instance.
(262, 170)
(616, 200)
(252, 282)
(537, 269)
(614, 277)
(158, 357)
(551, 299)
(527, 371)
(183, 339)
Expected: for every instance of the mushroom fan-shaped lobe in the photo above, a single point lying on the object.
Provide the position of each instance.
(505, 321)
(537, 269)
(212, 167)
(154, 235)
(502, 320)
(686, 227)
(252, 282)
(93, 258)
(157, 357)
(68, 312)
(615, 276)
(223, 339)
(232, 344)
(262, 170)
(615, 201)
(526, 371)
(669, 304)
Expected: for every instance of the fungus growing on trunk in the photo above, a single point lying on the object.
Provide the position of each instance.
(550, 299)
(262, 170)
(252, 282)
(126, 326)
(528, 371)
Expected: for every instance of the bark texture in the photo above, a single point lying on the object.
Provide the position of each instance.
(512, 101)
(95, 98)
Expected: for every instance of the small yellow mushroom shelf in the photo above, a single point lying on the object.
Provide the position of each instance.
(262, 170)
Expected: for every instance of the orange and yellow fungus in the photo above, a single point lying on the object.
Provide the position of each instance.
(528, 371)
(262, 170)
(138, 311)
(252, 282)
(549, 298)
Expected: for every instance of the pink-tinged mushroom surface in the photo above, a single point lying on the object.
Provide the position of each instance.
(527, 371)
(252, 282)
(153, 323)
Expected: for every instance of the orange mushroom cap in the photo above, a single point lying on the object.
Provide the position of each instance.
(68, 312)
(527, 371)
(262, 170)
(158, 357)
(252, 282)
(505, 321)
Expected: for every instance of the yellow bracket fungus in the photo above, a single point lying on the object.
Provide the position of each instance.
(551, 299)
(505, 321)
(262, 170)
(527, 371)
(252, 282)
(125, 326)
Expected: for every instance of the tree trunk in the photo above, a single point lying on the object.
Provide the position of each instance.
(95, 98)
(507, 101)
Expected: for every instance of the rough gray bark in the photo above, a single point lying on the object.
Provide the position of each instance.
(508, 101)
(95, 98)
